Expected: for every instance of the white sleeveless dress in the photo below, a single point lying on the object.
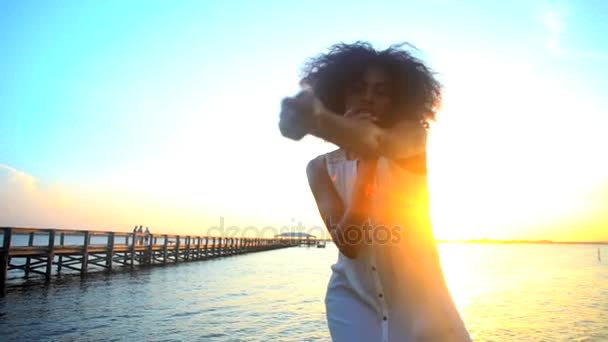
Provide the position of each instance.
(394, 290)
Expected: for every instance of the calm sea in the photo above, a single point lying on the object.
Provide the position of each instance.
(515, 292)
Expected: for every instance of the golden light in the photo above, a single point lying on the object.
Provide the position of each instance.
(514, 160)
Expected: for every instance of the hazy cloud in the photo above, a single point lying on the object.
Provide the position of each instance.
(28, 202)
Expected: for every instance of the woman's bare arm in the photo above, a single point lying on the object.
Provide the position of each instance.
(305, 114)
(338, 219)
(406, 139)
(330, 205)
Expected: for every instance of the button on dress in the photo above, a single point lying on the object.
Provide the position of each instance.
(394, 290)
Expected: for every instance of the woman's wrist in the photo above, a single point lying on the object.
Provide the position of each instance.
(319, 118)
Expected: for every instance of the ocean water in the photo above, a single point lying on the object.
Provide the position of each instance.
(510, 292)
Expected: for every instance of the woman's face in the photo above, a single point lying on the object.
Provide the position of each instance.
(371, 94)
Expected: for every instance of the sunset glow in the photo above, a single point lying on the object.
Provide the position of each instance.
(110, 119)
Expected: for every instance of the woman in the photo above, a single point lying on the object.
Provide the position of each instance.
(387, 284)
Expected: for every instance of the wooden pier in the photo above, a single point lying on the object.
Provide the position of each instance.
(48, 252)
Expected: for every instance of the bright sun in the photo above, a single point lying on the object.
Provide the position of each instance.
(517, 170)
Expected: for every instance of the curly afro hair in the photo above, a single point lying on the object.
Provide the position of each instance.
(415, 92)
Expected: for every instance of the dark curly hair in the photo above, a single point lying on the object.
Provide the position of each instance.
(414, 90)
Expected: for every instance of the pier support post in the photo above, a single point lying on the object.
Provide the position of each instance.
(110, 251)
(198, 248)
(177, 241)
(30, 243)
(50, 254)
(4, 259)
(85, 254)
(188, 239)
(60, 262)
(165, 250)
(132, 250)
(149, 251)
(206, 250)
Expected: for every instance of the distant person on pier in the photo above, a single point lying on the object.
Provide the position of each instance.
(139, 238)
(135, 242)
(372, 194)
(146, 235)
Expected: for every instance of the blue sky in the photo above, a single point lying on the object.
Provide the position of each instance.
(177, 101)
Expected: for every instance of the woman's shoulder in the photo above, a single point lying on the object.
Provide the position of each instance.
(325, 161)
(329, 157)
(335, 156)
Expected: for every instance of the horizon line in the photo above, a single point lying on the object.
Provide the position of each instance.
(486, 240)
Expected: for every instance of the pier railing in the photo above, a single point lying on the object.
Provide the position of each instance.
(49, 252)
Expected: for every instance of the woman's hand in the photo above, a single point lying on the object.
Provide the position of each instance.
(357, 114)
(360, 115)
(299, 115)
